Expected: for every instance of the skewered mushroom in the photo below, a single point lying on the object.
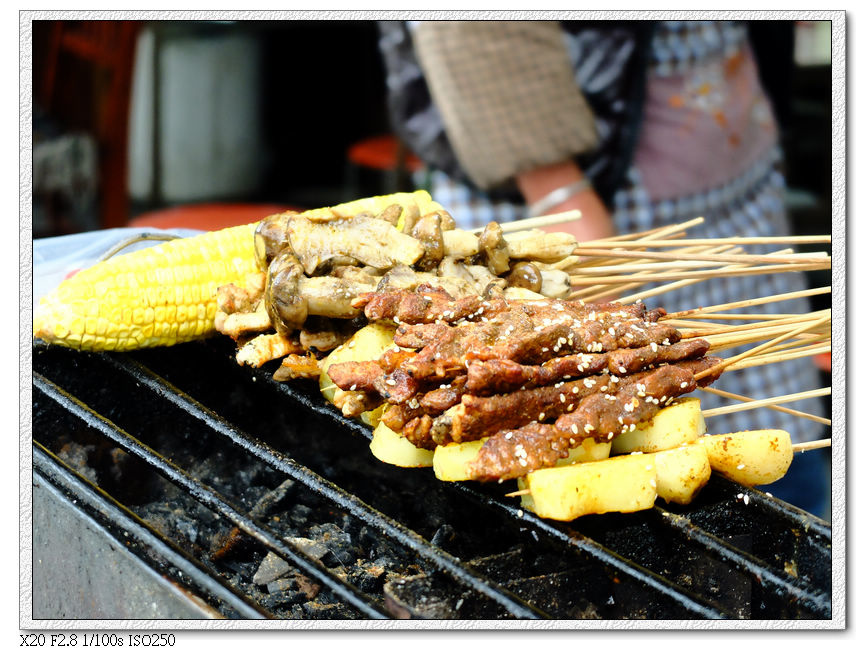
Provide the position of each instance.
(525, 275)
(270, 238)
(285, 306)
(495, 248)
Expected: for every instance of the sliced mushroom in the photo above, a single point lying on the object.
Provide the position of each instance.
(428, 231)
(555, 284)
(519, 293)
(371, 241)
(451, 267)
(285, 306)
(460, 244)
(493, 245)
(409, 217)
(402, 277)
(540, 246)
(331, 296)
(391, 214)
(270, 237)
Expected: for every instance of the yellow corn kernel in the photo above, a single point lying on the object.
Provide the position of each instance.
(138, 299)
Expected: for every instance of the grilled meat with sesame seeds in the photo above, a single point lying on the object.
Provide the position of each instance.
(515, 452)
(503, 375)
(355, 375)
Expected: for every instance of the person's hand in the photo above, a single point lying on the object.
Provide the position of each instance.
(595, 222)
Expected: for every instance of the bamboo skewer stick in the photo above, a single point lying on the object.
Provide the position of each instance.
(727, 271)
(656, 233)
(774, 407)
(719, 344)
(800, 345)
(537, 222)
(682, 283)
(749, 353)
(753, 302)
(739, 241)
(792, 258)
(814, 444)
(711, 331)
(765, 360)
(594, 293)
(704, 317)
(757, 403)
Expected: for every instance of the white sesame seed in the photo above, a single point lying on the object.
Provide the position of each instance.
(353, 386)
(652, 482)
(684, 384)
(562, 397)
(574, 428)
(746, 499)
(740, 466)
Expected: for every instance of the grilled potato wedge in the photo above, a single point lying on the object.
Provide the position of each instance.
(366, 344)
(681, 473)
(616, 484)
(681, 423)
(392, 448)
(750, 457)
(451, 462)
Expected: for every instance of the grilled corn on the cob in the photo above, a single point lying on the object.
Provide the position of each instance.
(156, 296)
(166, 294)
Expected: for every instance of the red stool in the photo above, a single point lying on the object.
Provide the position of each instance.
(824, 361)
(207, 216)
(386, 155)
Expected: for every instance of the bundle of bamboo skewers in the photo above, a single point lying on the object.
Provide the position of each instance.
(604, 269)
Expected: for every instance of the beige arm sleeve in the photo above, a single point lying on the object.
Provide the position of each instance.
(506, 93)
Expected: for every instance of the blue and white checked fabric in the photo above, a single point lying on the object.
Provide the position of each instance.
(677, 45)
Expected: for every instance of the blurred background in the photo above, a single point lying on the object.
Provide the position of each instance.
(132, 118)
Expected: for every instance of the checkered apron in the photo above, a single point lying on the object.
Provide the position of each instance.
(751, 204)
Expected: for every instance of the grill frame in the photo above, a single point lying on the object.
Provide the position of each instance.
(301, 399)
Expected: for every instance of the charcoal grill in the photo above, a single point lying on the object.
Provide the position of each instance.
(171, 483)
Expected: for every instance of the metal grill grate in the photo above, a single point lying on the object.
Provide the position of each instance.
(188, 427)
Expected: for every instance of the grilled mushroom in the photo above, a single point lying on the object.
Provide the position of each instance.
(492, 243)
(428, 231)
(270, 238)
(525, 275)
(285, 306)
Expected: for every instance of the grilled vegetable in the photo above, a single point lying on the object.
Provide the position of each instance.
(392, 448)
(681, 473)
(750, 457)
(618, 484)
(451, 462)
(161, 295)
(679, 424)
(367, 344)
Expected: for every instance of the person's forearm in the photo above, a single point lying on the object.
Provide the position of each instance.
(537, 183)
